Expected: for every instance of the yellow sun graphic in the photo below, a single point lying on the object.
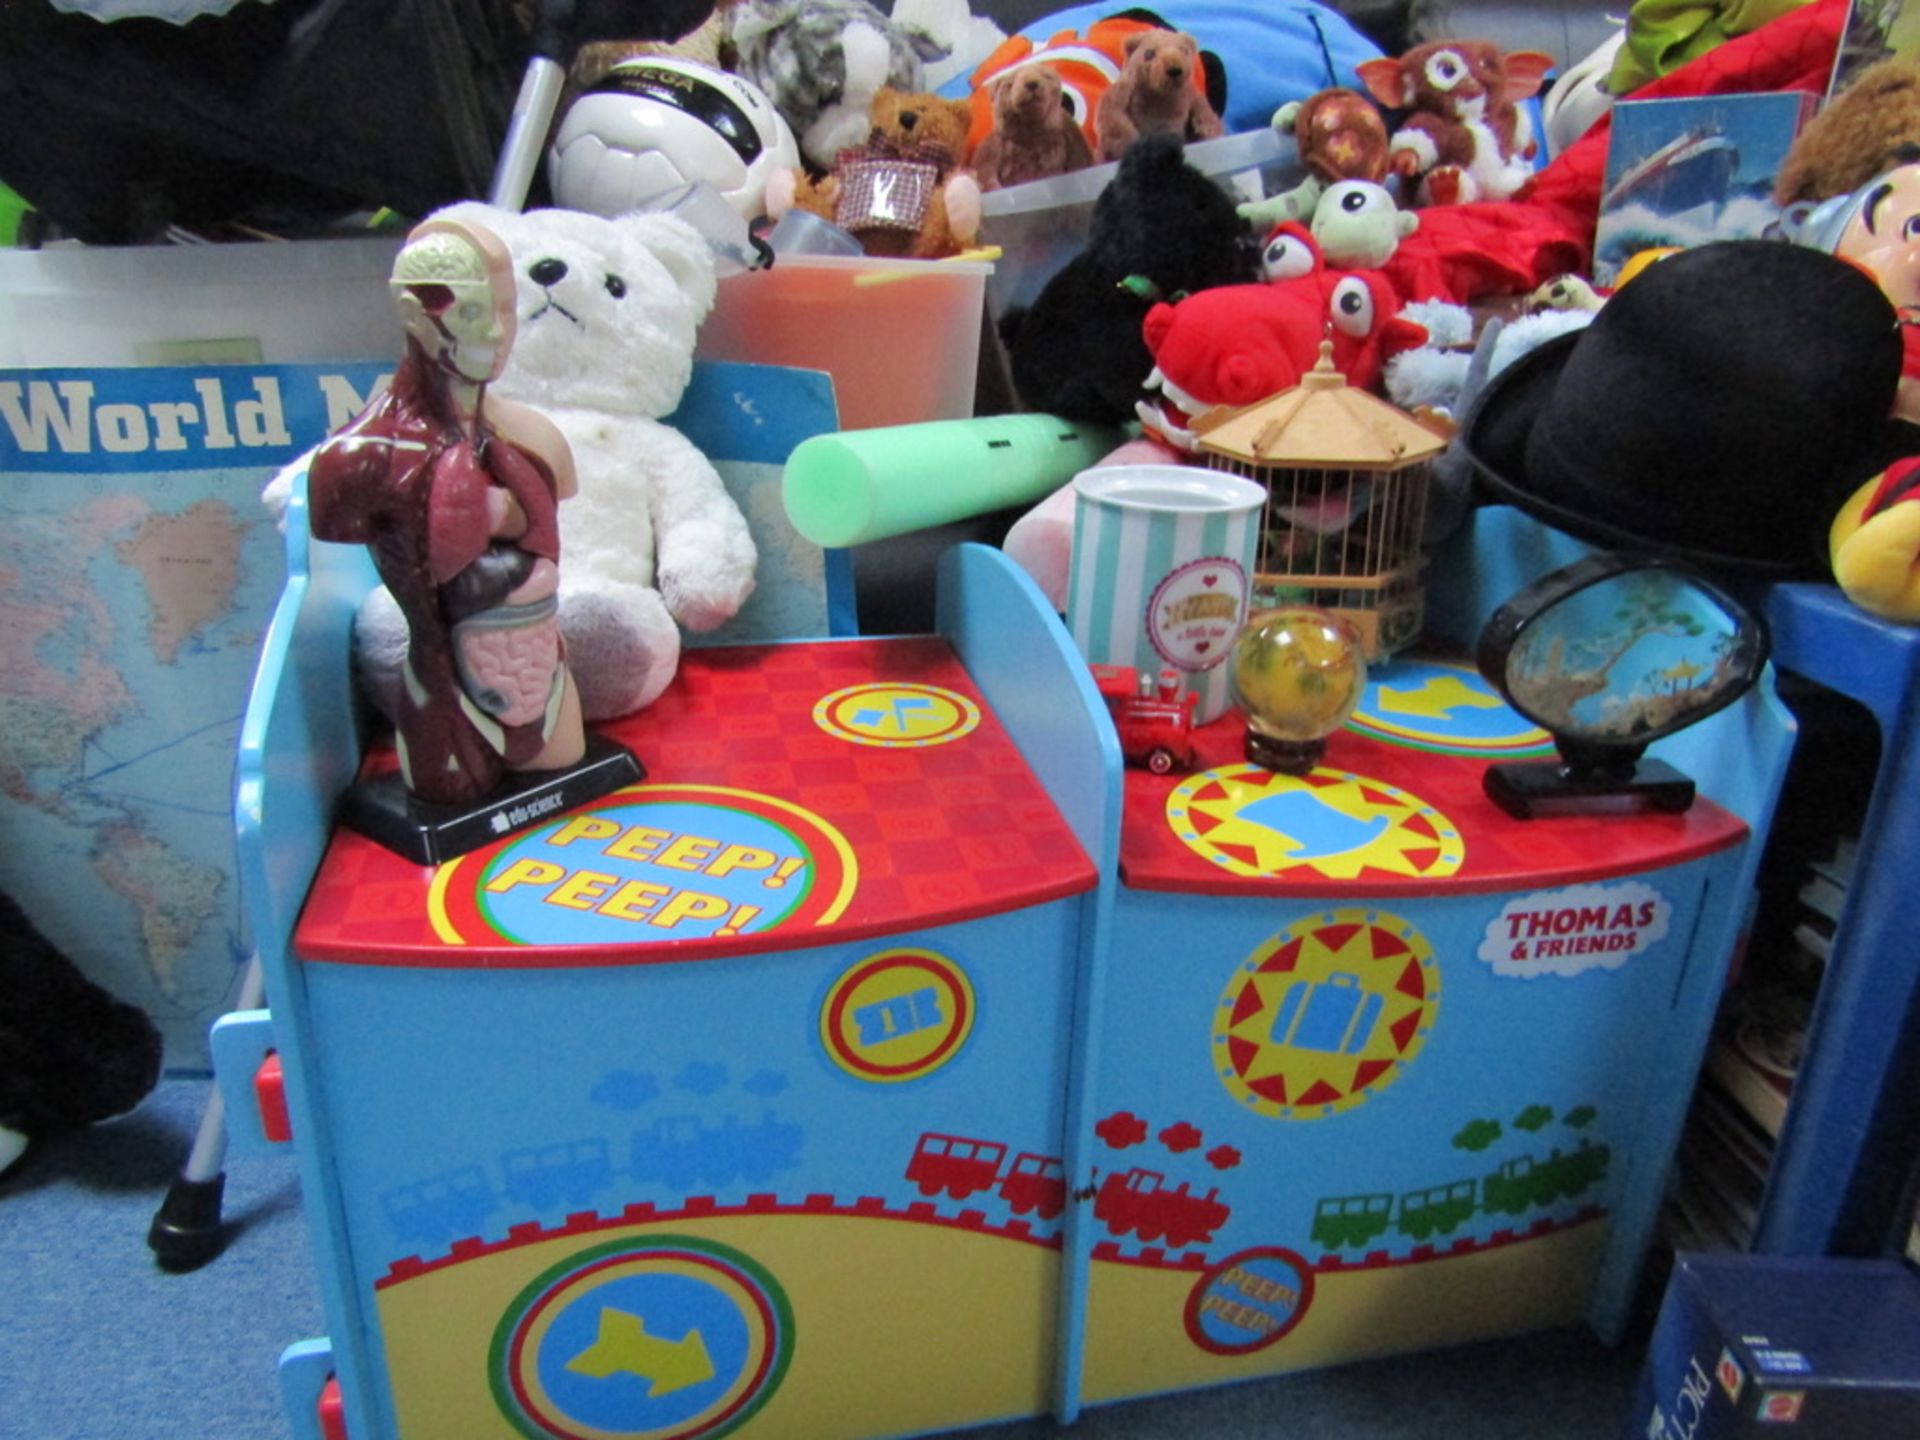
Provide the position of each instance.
(1252, 821)
(1326, 1014)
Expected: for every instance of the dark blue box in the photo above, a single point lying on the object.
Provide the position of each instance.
(1748, 1344)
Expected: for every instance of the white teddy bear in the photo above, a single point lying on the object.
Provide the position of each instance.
(608, 312)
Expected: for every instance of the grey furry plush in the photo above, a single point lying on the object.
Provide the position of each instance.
(1436, 375)
(1450, 380)
(820, 63)
(1397, 26)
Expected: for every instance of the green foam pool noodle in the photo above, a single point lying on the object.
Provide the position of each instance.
(858, 485)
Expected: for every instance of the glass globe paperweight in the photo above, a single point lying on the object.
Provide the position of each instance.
(1608, 655)
(1296, 674)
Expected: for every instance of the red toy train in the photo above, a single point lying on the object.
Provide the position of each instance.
(1154, 721)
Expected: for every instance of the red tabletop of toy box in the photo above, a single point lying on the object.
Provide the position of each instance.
(1376, 818)
(807, 741)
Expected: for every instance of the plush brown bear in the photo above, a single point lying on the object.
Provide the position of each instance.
(905, 192)
(1861, 134)
(1034, 135)
(1159, 92)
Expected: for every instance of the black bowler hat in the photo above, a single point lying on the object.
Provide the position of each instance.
(1718, 409)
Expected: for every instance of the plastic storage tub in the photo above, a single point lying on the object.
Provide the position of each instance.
(901, 338)
(198, 304)
(1041, 225)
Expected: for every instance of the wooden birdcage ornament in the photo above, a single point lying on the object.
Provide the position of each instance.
(1346, 476)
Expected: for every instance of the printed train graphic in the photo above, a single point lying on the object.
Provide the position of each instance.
(687, 1156)
(1137, 1202)
(1518, 1185)
(960, 1166)
(1131, 1202)
(678, 1151)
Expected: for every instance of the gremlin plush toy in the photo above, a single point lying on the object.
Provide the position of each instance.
(607, 315)
(904, 192)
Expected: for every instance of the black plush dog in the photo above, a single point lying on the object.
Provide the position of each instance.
(70, 1054)
(1159, 228)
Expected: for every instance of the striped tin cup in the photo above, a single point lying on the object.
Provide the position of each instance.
(1162, 560)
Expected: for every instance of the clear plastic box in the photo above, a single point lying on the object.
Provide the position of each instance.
(1041, 225)
(192, 304)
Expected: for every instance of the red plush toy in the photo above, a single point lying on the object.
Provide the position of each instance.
(1239, 344)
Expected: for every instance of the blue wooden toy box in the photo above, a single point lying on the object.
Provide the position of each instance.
(889, 1061)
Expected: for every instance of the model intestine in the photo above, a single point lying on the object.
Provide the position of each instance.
(456, 500)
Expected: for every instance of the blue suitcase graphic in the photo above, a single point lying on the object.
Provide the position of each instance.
(1334, 1016)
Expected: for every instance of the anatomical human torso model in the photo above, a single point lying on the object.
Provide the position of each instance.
(456, 497)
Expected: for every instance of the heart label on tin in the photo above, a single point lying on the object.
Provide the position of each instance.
(1195, 611)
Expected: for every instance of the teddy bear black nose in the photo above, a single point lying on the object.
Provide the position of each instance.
(548, 271)
(909, 119)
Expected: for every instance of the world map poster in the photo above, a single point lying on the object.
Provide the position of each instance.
(138, 569)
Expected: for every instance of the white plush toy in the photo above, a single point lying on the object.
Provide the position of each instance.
(951, 24)
(1435, 376)
(1580, 96)
(609, 311)
(608, 314)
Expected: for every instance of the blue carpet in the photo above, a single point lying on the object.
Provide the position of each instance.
(97, 1343)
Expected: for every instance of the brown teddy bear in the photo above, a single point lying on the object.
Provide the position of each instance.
(1159, 91)
(905, 192)
(1858, 136)
(1034, 135)
(705, 43)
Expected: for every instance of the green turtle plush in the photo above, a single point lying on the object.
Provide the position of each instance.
(1358, 226)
